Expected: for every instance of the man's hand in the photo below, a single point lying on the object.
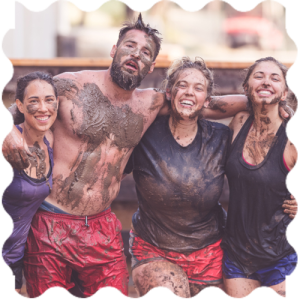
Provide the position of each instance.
(15, 150)
(290, 207)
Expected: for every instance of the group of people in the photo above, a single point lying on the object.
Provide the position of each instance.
(101, 127)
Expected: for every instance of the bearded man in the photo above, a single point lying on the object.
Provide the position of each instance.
(101, 118)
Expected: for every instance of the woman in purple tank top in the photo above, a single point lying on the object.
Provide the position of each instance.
(36, 99)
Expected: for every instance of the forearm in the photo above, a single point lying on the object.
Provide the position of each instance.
(221, 107)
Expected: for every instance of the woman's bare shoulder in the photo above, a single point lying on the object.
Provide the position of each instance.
(49, 137)
(238, 122)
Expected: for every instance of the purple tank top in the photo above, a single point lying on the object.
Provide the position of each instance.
(21, 200)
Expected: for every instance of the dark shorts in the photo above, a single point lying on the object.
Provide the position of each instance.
(17, 268)
(60, 245)
(272, 275)
(202, 267)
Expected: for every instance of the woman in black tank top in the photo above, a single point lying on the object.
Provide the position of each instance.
(178, 168)
(260, 157)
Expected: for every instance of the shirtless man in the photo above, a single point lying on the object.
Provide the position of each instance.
(101, 118)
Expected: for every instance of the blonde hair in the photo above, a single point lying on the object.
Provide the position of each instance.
(186, 63)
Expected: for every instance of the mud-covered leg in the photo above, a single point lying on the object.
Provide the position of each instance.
(279, 288)
(196, 289)
(161, 273)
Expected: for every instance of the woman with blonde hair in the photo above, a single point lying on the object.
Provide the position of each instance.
(179, 168)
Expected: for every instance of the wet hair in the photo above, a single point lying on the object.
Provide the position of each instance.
(22, 84)
(292, 100)
(184, 63)
(139, 25)
(250, 70)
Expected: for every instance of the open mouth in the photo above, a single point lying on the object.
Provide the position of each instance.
(187, 103)
(42, 118)
(265, 92)
(131, 65)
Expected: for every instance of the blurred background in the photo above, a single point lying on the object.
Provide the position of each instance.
(217, 32)
(63, 38)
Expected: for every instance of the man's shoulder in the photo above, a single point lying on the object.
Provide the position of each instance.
(80, 75)
(152, 98)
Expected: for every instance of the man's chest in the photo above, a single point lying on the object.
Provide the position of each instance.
(92, 117)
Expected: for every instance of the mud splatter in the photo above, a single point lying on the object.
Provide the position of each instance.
(162, 273)
(101, 121)
(196, 289)
(39, 164)
(265, 120)
(32, 108)
(217, 104)
(127, 80)
(157, 101)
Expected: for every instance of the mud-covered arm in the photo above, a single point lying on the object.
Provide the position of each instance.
(290, 207)
(15, 150)
(227, 106)
(221, 107)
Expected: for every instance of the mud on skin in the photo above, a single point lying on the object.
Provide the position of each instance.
(101, 121)
(165, 274)
(218, 104)
(40, 164)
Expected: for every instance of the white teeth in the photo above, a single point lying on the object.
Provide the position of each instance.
(187, 102)
(265, 92)
(42, 119)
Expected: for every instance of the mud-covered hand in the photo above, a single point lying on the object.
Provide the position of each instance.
(285, 111)
(290, 207)
(15, 150)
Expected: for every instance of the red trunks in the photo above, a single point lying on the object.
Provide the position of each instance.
(58, 244)
(202, 267)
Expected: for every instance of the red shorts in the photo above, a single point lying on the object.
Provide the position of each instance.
(201, 267)
(59, 244)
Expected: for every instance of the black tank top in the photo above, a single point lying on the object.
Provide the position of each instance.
(256, 225)
(178, 188)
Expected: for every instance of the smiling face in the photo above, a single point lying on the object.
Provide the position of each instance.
(39, 105)
(132, 59)
(188, 94)
(266, 84)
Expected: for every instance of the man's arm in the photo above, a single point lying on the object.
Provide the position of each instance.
(290, 207)
(15, 150)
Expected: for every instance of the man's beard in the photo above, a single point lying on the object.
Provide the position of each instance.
(124, 79)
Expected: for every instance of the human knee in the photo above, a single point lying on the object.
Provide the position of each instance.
(282, 294)
(162, 274)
